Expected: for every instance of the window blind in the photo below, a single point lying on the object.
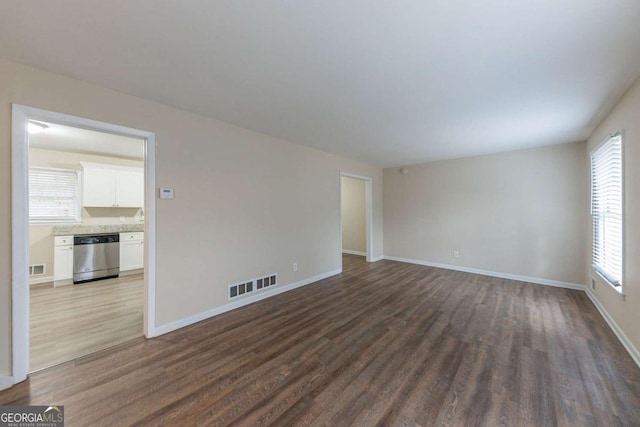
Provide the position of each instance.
(53, 195)
(606, 209)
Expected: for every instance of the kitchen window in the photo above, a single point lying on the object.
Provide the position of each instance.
(54, 195)
(607, 210)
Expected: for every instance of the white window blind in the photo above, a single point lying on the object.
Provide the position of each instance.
(606, 209)
(53, 195)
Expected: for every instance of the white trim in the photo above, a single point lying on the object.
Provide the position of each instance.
(626, 342)
(20, 227)
(536, 280)
(368, 201)
(19, 244)
(150, 236)
(350, 252)
(169, 327)
(6, 382)
(378, 258)
(39, 280)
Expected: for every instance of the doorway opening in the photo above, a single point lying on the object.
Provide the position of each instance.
(77, 180)
(356, 215)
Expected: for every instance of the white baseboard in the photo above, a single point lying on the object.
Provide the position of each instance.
(626, 342)
(376, 259)
(527, 279)
(160, 330)
(350, 252)
(37, 281)
(5, 382)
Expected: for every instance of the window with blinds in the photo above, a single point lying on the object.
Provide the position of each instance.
(607, 209)
(53, 195)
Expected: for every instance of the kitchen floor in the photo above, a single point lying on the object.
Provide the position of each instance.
(72, 321)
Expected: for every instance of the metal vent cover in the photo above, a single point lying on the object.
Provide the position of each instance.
(243, 288)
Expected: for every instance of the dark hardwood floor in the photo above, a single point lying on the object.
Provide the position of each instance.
(388, 344)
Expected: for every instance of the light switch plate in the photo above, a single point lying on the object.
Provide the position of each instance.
(166, 193)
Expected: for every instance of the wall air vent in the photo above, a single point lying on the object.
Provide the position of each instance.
(36, 270)
(265, 282)
(239, 289)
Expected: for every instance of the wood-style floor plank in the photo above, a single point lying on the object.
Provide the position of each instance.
(387, 344)
(75, 320)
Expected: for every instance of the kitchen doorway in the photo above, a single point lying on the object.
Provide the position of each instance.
(133, 207)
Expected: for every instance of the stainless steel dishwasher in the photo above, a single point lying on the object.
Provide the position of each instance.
(95, 256)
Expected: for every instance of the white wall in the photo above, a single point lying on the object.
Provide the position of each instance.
(521, 213)
(625, 116)
(246, 204)
(354, 224)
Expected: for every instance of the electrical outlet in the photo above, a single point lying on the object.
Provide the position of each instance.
(456, 254)
(295, 266)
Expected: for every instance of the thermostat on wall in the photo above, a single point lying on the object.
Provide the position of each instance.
(166, 193)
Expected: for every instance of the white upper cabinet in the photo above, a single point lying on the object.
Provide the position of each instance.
(130, 189)
(112, 186)
(99, 187)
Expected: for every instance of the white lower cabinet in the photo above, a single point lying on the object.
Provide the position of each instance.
(63, 260)
(131, 251)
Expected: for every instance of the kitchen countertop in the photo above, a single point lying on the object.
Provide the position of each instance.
(71, 230)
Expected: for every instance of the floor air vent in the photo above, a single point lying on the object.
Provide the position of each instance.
(36, 270)
(243, 288)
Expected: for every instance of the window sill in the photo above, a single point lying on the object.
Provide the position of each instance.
(618, 289)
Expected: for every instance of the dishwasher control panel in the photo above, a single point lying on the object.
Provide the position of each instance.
(95, 239)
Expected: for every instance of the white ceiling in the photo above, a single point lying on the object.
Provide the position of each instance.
(387, 82)
(71, 139)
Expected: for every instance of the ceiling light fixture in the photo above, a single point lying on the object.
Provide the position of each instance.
(36, 127)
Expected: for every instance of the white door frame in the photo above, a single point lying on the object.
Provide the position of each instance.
(368, 204)
(20, 223)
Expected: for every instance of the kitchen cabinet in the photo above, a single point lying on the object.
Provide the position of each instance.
(112, 186)
(131, 251)
(63, 260)
(130, 189)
